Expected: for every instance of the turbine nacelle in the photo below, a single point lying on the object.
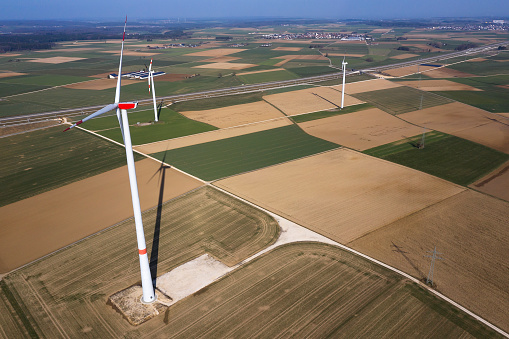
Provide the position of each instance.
(105, 109)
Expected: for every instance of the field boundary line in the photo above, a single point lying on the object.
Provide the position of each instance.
(351, 250)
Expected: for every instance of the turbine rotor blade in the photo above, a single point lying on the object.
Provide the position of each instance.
(103, 110)
(117, 91)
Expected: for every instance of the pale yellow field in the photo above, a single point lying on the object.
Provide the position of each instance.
(470, 231)
(381, 30)
(217, 52)
(367, 86)
(444, 72)
(404, 56)
(290, 49)
(236, 115)
(341, 194)
(195, 139)
(225, 65)
(347, 55)
(464, 121)
(361, 130)
(309, 100)
(51, 220)
(221, 59)
(263, 71)
(132, 53)
(301, 57)
(77, 49)
(55, 60)
(439, 85)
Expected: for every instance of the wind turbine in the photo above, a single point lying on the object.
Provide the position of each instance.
(122, 107)
(344, 63)
(151, 81)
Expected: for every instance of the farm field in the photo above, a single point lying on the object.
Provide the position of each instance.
(367, 86)
(65, 294)
(495, 183)
(235, 115)
(205, 137)
(313, 290)
(329, 113)
(226, 157)
(445, 156)
(446, 72)
(42, 160)
(309, 100)
(404, 71)
(438, 85)
(401, 100)
(171, 125)
(51, 220)
(361, 130)
(464, 121)
(351, 195)
(470, 231)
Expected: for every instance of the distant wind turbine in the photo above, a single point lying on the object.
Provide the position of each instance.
(344, 63)
(122, 107)
(151, 81)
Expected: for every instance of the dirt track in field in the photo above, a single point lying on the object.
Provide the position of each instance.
(367, 86)
(309, 100)
(236, 115)
(341, 194)
(439, 85)
(495, 183)
(39, 225)
(189, 140)
(361, 130)
(100, 84)
(464, 121)
(470, 231)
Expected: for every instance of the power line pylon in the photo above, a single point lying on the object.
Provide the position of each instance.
(429, 279)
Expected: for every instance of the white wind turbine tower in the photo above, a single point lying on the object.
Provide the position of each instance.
(151, 81)
(344, 63)
(122, 107)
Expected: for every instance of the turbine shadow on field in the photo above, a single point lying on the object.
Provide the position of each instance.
(154, 253)
(399, 250)
(412, 143)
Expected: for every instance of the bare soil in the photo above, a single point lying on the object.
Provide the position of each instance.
(444, 72)
(301, 57)
(439, 85)
(290, 49)
(44, 223)
(236, 115)
(367, 86)
(495, 183)
(381, 30)
(309, 100)
(347, 55)
(263, 71)
(402, 71)
(464, 121)
(341, 194)
(470, 231)
(55, 60)
(189, 140)
(226, 65)
(132, 53)
(10, 74)
(404, 56)
(361, 130)
(217, 52)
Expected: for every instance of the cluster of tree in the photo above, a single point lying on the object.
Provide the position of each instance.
(501, 48)
(403, 48)
(463, 47)
(436, 44)
(223, 38)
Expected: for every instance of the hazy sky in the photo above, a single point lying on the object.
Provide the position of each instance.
(334, 9)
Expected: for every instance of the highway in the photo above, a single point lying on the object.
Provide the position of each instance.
(20, 119)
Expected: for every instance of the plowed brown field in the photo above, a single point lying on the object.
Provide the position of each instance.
(216, 52)
(404, 56)
(236, 115)
(464, 121)
(402, 71)
(439, 85)
(309, 100)
(226, 65)
(44, 223)
(55, 60)
(367, 86)
(341, 194)
(495, 183)
(470, 231)
(444, 72)
(361, 130)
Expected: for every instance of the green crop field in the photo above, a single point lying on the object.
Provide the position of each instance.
(43, 160)
(493, 97)
(445, 156)
(211, 103)
(492, 66)
(329, 113)
(267, 77)
(222, 158)
(171, 125)
(401, 99)
(67, 291)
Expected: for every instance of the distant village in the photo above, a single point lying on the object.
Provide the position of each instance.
(316, 35)
(495, 25)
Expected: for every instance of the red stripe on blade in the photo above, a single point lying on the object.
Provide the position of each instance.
(127, 105)
(143, 251)
(79, 122)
